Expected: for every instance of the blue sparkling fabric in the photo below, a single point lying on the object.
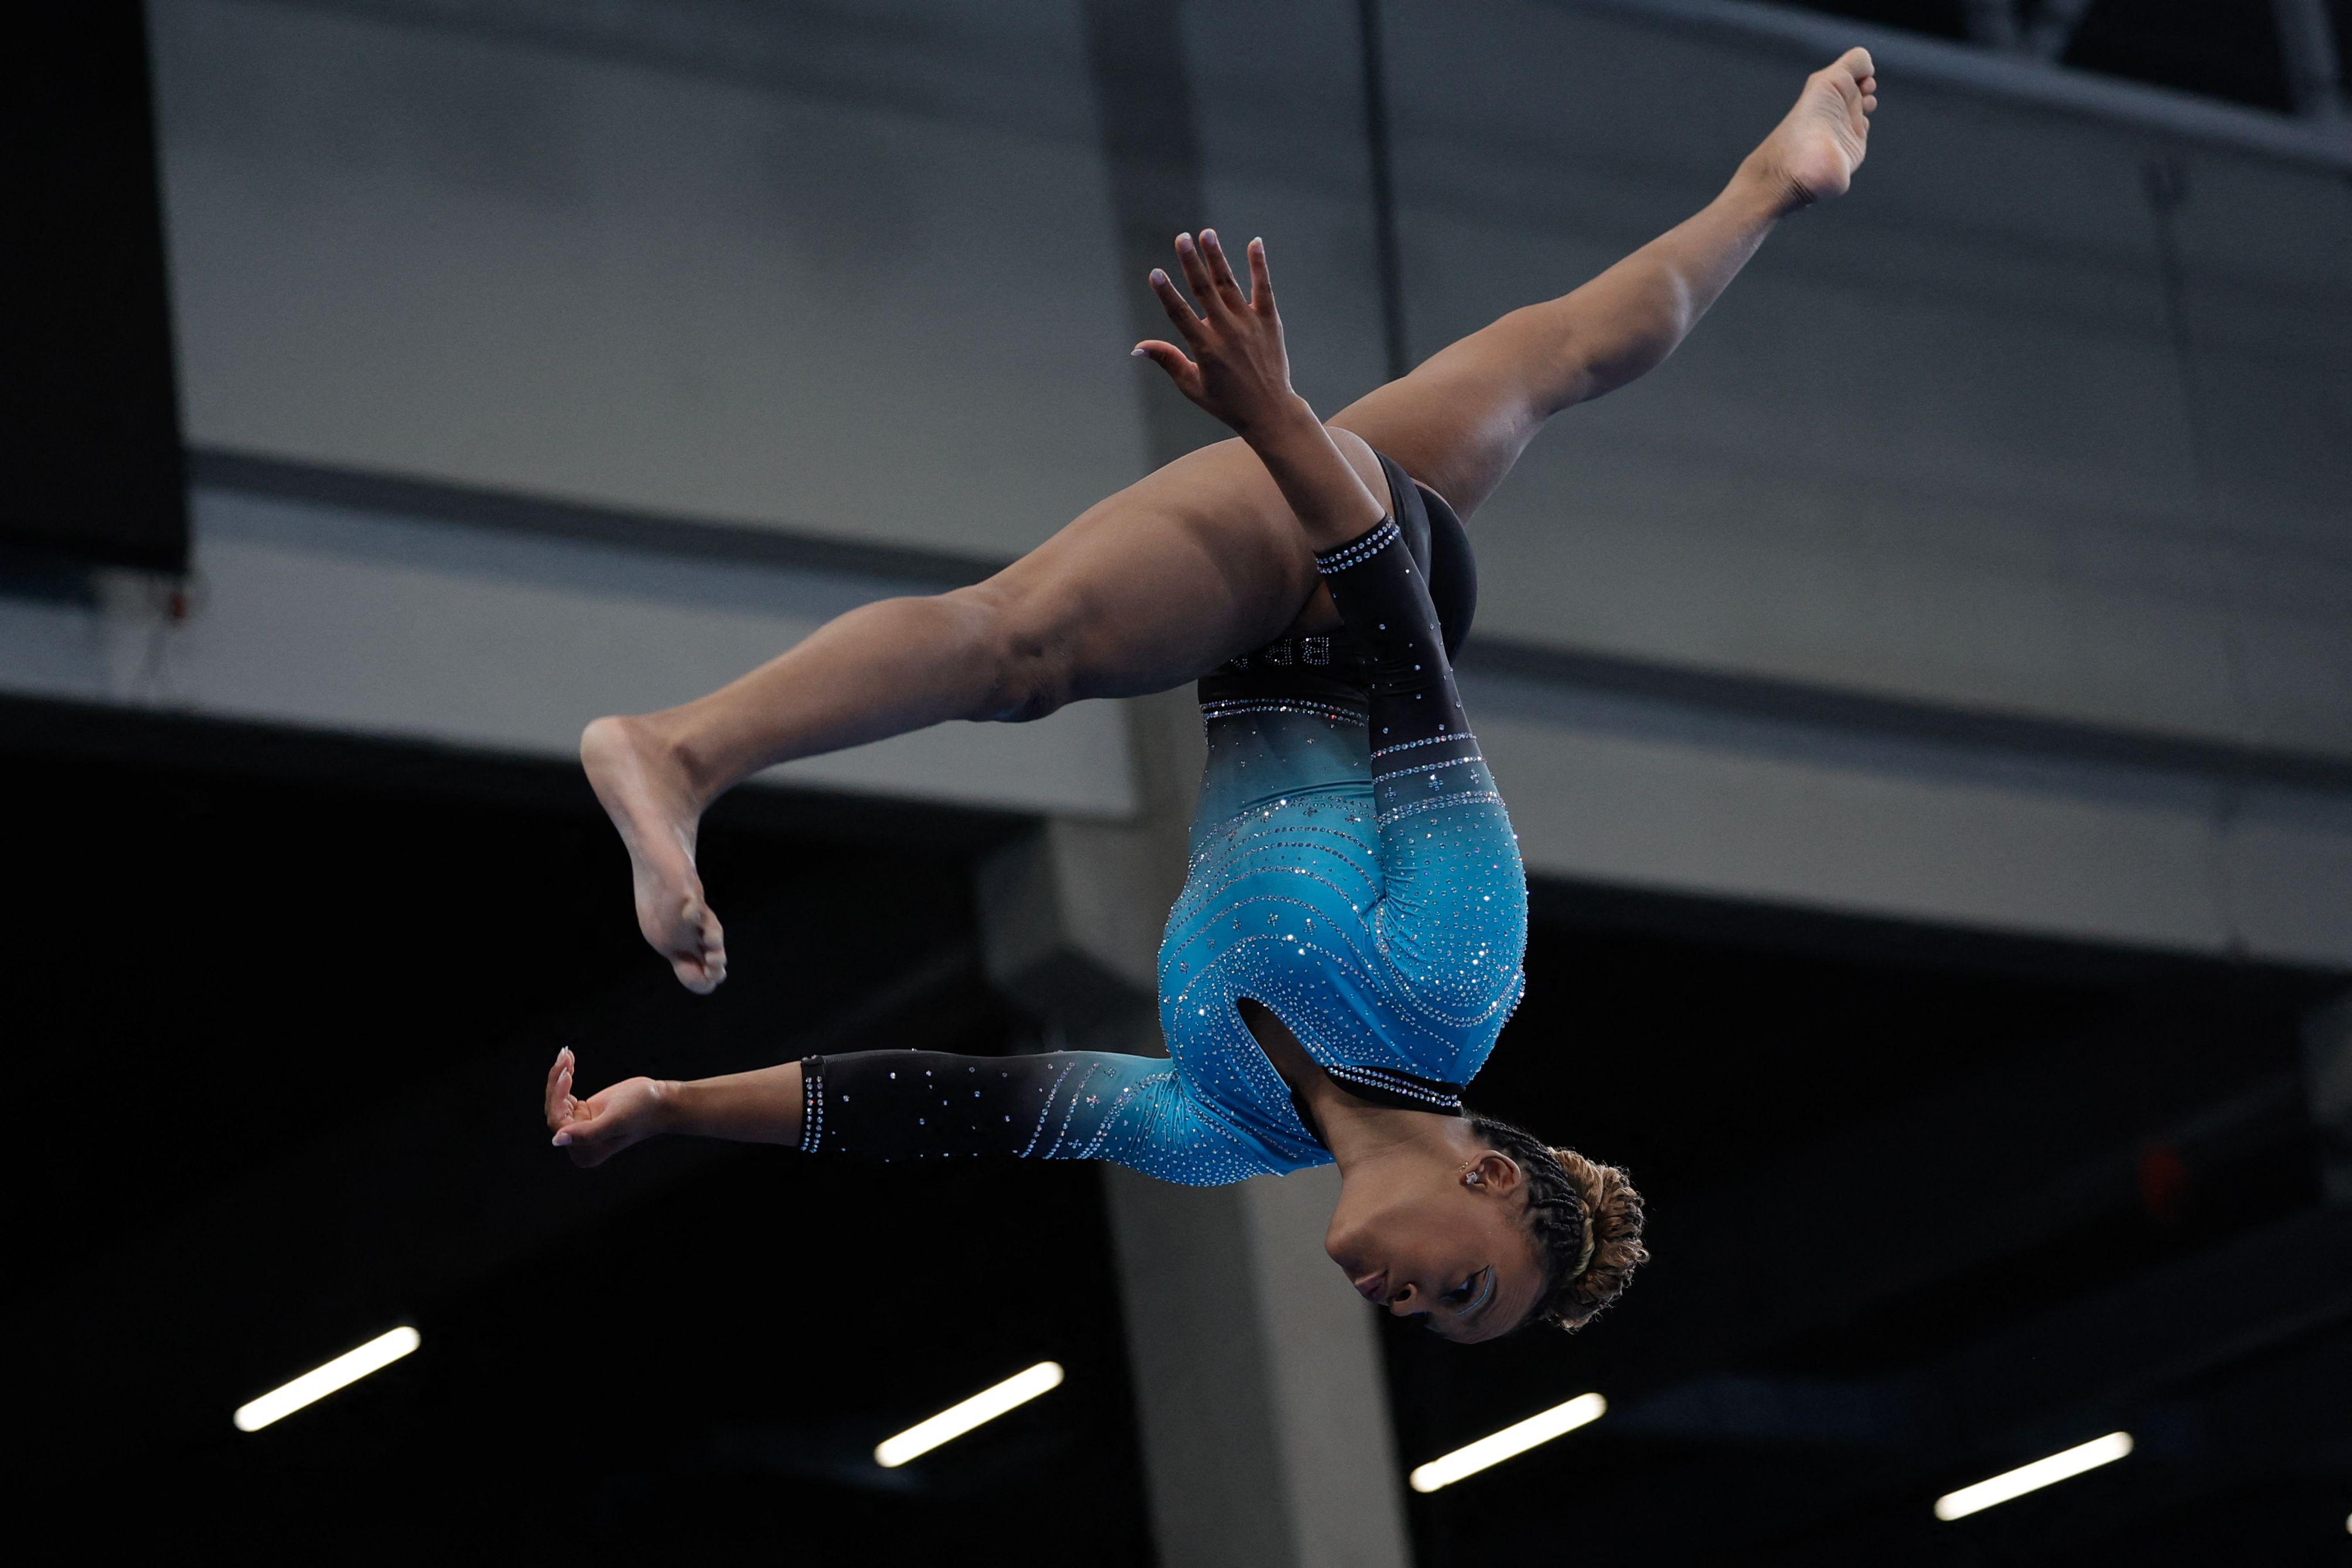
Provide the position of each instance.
(1383, 919)
(1352, 869)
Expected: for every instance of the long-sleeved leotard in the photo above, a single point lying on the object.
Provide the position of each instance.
(1352, 869)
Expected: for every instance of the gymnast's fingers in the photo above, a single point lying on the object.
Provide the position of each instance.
(1179, 312)
(1169, 358)
(559, 1080)
(1196, 275)
(1261, 280)
(1228, 287)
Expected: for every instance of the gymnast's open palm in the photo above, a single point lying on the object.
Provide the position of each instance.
(1238, 369)
(600, 1126)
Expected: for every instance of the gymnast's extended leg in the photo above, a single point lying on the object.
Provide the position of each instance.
(1463, 416)
(1195, 563)
(1171, 576)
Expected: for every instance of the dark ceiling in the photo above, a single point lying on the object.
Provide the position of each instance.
(2223, 48)
(1923, 1208)
(284, 1006)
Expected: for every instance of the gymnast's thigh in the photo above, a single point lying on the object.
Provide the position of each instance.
(1163, 581)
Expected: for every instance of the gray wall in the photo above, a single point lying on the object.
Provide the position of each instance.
(1997, 440)
(1938, 443)
(847, 271)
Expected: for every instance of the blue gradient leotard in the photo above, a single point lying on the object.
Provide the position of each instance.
(1352, 869)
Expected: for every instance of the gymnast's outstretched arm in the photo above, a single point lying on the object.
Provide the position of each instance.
(1203, 560)
(909, 1106)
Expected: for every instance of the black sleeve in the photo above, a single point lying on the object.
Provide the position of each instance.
(926, 1105)
(1417, 720)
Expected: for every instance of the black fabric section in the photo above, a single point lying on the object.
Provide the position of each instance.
(1453, 570)
(812, 1104)
(1441, 548)
(1383, 595)
(1324, 669)
(1335, 672)
(911, 1105)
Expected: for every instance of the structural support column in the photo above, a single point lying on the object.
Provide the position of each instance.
(1260, 1396)
(1263, 1406)
(1259, 1389)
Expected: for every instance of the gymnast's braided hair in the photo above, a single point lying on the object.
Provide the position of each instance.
(1586, 1219)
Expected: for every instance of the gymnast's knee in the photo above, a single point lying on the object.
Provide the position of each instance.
(1023, 649)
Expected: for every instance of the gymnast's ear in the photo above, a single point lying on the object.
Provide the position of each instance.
(1493, 1175)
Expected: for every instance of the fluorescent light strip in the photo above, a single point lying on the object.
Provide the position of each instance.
(2016, 1483)
(958, 1419)
(1580, 1411)
(349, 1367)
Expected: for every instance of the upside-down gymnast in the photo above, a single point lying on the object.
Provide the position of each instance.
(1348, 943)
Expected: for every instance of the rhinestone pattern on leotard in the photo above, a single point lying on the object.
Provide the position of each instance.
(1383, 919)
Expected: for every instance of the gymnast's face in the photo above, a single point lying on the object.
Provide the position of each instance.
(1441, 1243)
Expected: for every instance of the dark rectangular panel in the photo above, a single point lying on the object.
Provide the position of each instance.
(89, 429)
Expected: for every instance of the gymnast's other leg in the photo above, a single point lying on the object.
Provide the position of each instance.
(1180, 570)
(1461, 419)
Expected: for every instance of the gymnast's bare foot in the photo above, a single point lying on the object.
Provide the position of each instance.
(644, 791)
(1812, 155)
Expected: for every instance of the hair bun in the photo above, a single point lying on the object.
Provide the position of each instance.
(1613, 1213)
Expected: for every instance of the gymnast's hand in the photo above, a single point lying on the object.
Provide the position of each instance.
(1239, 370)
(597, 1128)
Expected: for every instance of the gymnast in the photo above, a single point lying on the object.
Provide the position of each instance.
(1348, 943)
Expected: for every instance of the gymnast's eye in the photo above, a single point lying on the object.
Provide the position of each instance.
(1460, 1295)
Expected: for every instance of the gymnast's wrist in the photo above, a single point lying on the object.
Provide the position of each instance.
(1288, 419)
(669, 1111)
